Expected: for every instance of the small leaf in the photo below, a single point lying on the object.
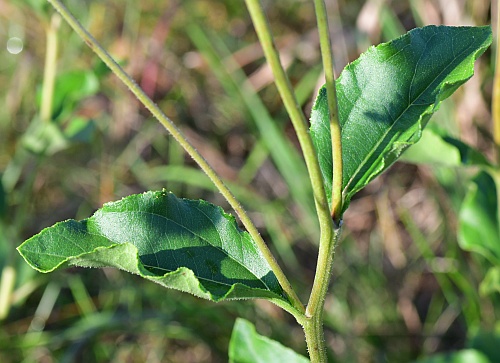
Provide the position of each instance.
(192, 246)
(462, 356)
(487, 342)
(387, 96)
(70, 88)
(248, 346)
(437, 148)
(80, 129)
(478, 223)
(491, 282)
(44, 138)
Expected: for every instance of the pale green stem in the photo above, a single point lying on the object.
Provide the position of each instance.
(49, 73)
(296, 116)
(313, 328)
(7, 283)
(190, 150)
(331, 92)
(313, 325)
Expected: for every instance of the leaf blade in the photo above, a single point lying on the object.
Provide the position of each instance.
(248, 346)
(478, 229)
(387, 96)
(192, 246)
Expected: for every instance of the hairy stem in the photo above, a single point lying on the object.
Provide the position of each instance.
(315, 306)
(49, 72)
(331, 91)
(186, 145)
(313, 326)
(294, 111)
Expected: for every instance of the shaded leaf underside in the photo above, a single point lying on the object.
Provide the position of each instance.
(192, 246)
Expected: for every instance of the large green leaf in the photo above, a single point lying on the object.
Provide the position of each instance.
(248, 346)
(478, 229)
(192, 246)
(387, 96)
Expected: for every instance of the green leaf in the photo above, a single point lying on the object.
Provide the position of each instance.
(491, 282)
(70, 88)
(192, 246)
(248, 346)
(478, 222)
(463, 356)
(487, 342)
(437, 148)
(387, 96)
(44, 138)
(80, 129)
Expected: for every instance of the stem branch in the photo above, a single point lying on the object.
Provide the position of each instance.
(190, 150)
(313, 325)
(294, 111)
(331, 92)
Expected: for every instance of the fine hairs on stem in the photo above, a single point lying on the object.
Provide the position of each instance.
(313, 326)
(190, 150)
(311, 318)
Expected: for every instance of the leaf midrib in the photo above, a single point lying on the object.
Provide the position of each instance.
(368, 156)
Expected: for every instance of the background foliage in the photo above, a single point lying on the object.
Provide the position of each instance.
(403, 288)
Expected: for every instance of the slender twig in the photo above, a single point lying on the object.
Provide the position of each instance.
(331, 92)
(49, 73)
(186, 145)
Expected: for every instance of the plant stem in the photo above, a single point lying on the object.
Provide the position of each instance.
(331, 91)
(7, 283)
(49, 72)
(186, 145)
(313, 328)
(496, 91)
(294, 111)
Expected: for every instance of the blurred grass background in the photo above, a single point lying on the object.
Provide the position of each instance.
(402, 288)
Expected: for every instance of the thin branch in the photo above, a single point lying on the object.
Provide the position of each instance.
(331, 91)
(190, 150)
